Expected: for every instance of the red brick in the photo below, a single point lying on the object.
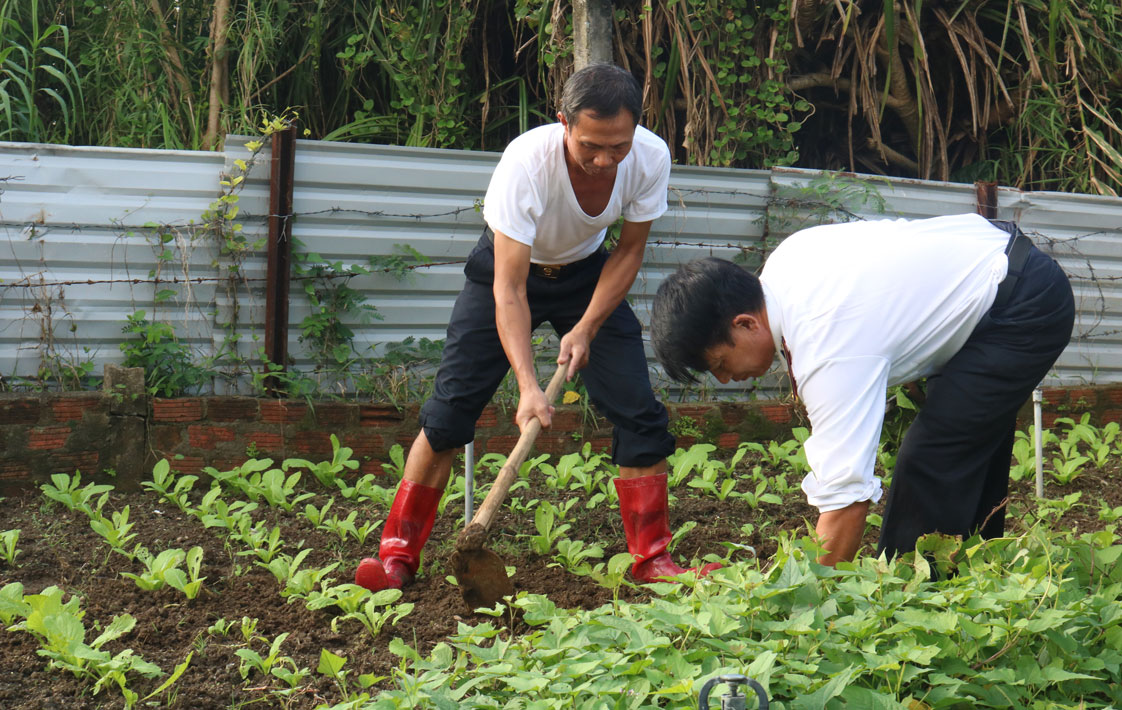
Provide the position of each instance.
(70, 409)
(85, 461)
(1048, 419)
(567, 420)
(266, 441)
(186, 464)
(335, 417)
(778, 413)
(14, 470)
(551, 442)
(19, 412)
(731, 414)
(406, 440)
(365, 444)
(1081, 393)
(378, 415)
(1114, 395)
(501, 444)
(202, 436)
(1054, 395)
(1111, 415)
(48, 437)
(488, 418)
(728, 440)
(166, 437)
(231, 409)
(309, 443)
(279, 411)
(229, 464)
(696, 411)
(601, 444)
(177, 410)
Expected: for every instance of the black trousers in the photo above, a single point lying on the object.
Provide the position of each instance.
(473, 363)
(952, 470)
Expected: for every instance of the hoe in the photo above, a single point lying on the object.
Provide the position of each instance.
(481, 573)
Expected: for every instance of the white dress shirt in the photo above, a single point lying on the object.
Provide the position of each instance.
(863, 306)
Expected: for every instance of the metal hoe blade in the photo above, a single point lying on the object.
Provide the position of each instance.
(482, 577)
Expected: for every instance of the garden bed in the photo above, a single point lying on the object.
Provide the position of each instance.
(238, 641)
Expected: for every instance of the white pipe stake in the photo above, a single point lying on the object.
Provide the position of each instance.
(1038, 419)
(469, 480)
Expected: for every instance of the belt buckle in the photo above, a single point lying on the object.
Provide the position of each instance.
(548, 271)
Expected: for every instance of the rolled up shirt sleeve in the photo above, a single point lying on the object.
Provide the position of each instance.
(845, 404)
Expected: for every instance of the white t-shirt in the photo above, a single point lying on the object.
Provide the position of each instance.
(531, 200)
(863, 306)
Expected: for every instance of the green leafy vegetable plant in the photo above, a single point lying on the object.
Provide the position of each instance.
(328, 473)
(170, 487)
(545, 519)
(8, 550)
(116, 530)
(73, 495)
(376, 611)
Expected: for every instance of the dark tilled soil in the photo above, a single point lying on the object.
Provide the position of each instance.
(59, 548)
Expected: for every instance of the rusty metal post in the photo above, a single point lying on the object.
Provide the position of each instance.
(279, 268)
(987, 199)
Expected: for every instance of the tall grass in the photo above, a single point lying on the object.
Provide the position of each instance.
(40, 88)
(1025, 92)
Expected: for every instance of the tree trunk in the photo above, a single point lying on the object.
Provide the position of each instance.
(219, 27)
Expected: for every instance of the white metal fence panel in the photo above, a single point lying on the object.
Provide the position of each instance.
(86, 228)
(76, 258)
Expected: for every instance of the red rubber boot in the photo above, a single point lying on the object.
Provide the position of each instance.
(405, 533)
(646, 523)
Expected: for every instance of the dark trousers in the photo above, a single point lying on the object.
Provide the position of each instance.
(952, 470)
(473, 363)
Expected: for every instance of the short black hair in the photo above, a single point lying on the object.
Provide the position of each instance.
(693, 311)
(603, 90)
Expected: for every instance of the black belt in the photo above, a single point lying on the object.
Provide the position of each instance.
(1017, 250)
(554, 271)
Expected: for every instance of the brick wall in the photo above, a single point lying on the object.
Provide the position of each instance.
(105, 434)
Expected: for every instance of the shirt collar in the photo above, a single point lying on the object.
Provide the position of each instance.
(775, 321)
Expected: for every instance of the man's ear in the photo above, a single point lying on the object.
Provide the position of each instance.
(745, 320)
(561, 119)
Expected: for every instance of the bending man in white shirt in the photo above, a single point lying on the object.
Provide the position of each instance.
(971, 305)
(551, 199)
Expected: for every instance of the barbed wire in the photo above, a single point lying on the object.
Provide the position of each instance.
(224, 279)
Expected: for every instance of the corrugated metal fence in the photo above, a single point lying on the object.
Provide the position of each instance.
(92, 235)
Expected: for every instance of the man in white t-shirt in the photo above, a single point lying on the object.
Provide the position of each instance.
(551, 199)
(856, 308)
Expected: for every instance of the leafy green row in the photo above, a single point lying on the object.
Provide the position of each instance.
(1027, 622)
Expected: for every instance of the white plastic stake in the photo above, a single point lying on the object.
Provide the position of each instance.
(1038, 420)
(469, 480)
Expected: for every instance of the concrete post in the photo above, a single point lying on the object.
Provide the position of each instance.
(592, 32)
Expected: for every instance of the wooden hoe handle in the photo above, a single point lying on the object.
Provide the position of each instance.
(509, 471)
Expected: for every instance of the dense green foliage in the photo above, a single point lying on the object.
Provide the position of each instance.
(1024, 92)
(1032, 620)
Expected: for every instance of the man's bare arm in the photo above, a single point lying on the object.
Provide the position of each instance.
(512, 318)
(841, 532)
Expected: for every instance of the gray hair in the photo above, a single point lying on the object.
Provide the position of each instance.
(603, 90)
